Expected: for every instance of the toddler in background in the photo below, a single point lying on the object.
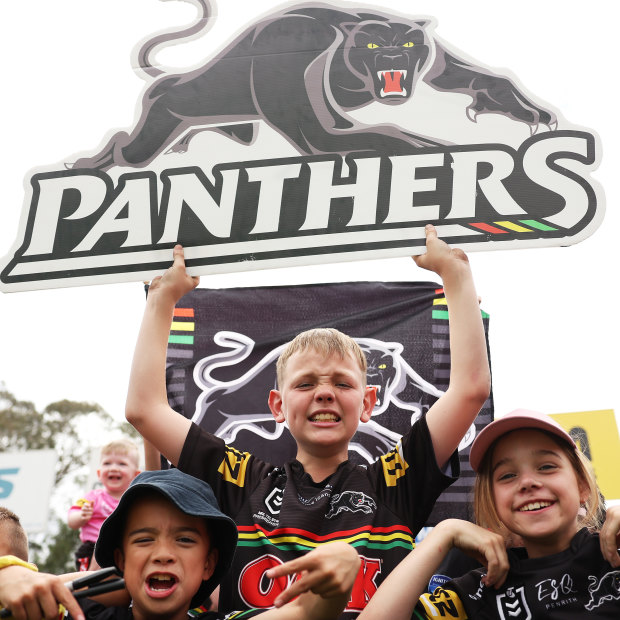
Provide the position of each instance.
(118, 466)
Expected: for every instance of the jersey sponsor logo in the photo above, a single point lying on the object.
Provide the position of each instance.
(607, 588)
(350, 501)
(365, 583)
(394, 466)
(443, 603)
(556, 592)
(255, 588)
(437, 581)
(258, 591)
(233, 466)
(512, 605)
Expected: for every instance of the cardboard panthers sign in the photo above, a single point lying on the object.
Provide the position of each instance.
(222, 354)
(321, 132)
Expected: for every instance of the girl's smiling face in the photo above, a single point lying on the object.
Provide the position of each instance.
(536, 490)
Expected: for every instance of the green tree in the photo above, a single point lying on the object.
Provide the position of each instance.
(72, 429)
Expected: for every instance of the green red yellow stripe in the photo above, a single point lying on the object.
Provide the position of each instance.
(298, 539)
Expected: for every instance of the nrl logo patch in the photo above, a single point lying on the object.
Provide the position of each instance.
(512, 605)
(322, 132)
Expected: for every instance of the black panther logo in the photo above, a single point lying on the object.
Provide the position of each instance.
(301, 70)
(350, 501)
(605, 589)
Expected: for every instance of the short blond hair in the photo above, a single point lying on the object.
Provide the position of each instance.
(325, 340)
(125, 447)
(591, 515)
(14, 540)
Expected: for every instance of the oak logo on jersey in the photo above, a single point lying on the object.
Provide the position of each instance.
(233, 466)
(339, 171)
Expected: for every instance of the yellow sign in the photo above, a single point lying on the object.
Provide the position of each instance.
(596, 434)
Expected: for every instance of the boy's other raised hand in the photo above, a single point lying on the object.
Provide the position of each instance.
(439, 255)
(175, 281)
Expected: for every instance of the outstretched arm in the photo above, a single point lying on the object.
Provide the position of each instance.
(398, 595)
(323, 589)
(470, 378)
(147, 405)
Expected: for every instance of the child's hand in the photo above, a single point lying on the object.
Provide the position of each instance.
(175, 282)
(610, 536)
(328, 570)
(31, 595)
(439, 255)
(86, 512)
(485, 546)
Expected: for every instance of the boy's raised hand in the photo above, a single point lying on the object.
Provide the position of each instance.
(439, 255)
(175, 282)
(329, 570)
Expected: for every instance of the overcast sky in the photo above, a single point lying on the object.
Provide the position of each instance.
(67, 82)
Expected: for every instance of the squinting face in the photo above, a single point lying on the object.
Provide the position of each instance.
(323, 400)
(116, 471)
(165, 557)
(536, 490)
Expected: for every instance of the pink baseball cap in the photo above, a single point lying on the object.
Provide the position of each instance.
(515, 420)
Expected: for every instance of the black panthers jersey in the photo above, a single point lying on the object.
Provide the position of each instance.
(576, 583)
(281, 513)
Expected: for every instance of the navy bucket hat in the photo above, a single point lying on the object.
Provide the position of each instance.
(191, 496)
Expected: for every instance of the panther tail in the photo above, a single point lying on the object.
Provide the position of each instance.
(200, 25)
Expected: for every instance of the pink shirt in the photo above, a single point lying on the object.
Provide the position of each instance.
(103, 505)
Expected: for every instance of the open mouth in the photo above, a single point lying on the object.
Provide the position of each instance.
(533, 506)
(161, 584)
(324, 417)
(392, 83)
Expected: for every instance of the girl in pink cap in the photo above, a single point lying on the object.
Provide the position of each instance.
(533, 483)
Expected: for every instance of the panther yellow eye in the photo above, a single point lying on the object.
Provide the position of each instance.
(372, 46)
(409, 44)
(382, 366)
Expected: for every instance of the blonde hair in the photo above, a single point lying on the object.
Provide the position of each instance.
(590, 516)
(14, 537)
(325, 340)
(125, 447)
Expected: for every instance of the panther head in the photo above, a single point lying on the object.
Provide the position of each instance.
(388, 57)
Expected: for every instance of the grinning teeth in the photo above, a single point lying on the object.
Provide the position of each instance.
(157, 581)
(324, 417)
(534, 506)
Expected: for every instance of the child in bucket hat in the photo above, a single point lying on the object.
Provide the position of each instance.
(190, 496)
(531, 481)
(173, 545)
